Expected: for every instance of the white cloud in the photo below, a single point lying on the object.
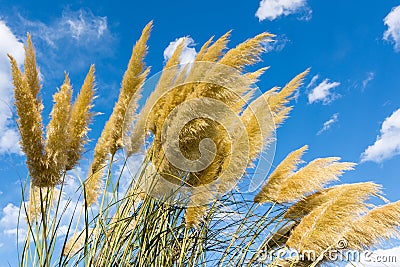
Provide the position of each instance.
(392, 21)
(272, 9)
(9, 45)
(8, 223)
(329, 123)
(188, 52)
(387, 144)
(322, 92)
(366, 81)
(378, 258)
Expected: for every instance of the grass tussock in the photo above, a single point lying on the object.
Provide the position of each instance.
(198, 137)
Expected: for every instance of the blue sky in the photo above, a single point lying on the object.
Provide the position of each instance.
(349, 105)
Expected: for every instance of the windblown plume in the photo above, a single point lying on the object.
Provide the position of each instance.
(111, 137)
(304, 206)
(323, 227)
(277, 101)
(377, 226)
(270, 191)
(214, 51)
(80, 118)
(259, 126)
(312, 178)
(246, 53)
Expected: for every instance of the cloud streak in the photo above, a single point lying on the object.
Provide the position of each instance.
(387, 144)
(329, 123)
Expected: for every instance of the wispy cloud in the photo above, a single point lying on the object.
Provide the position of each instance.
(322, 92)
(368, 79)
(81, 27)
(329, 123)
(9, 45)
(313, 81)
(387, 144)
(278, 44)
(71, 42)
(188, 52)
(273, 9)
(392, 21)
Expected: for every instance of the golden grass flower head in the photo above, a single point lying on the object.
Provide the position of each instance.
(57, 135)
(213, 52)
(312, 178)
(30, 69)
(304, 206)
(30, 125)
(81, 116)
(270, 191)
(111, 137)
(374, 228)
(246, 53)
(323, 227)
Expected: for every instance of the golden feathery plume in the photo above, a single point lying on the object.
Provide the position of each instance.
(270, 191)
(311, 178)
(203, 49)
(281, 115)
(215, 51)
(80, 118)
(309, 203)
(111, 137)
(57, 135)
(277, 101)
(254, 76)
(169, 74)
(323, 227)
(30, 125)
(259, 126)
(30, 69)
(132, 82)
(246, 53)
(208, 53)
(378, 225)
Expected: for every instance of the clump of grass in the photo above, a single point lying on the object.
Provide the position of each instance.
(219, 226)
